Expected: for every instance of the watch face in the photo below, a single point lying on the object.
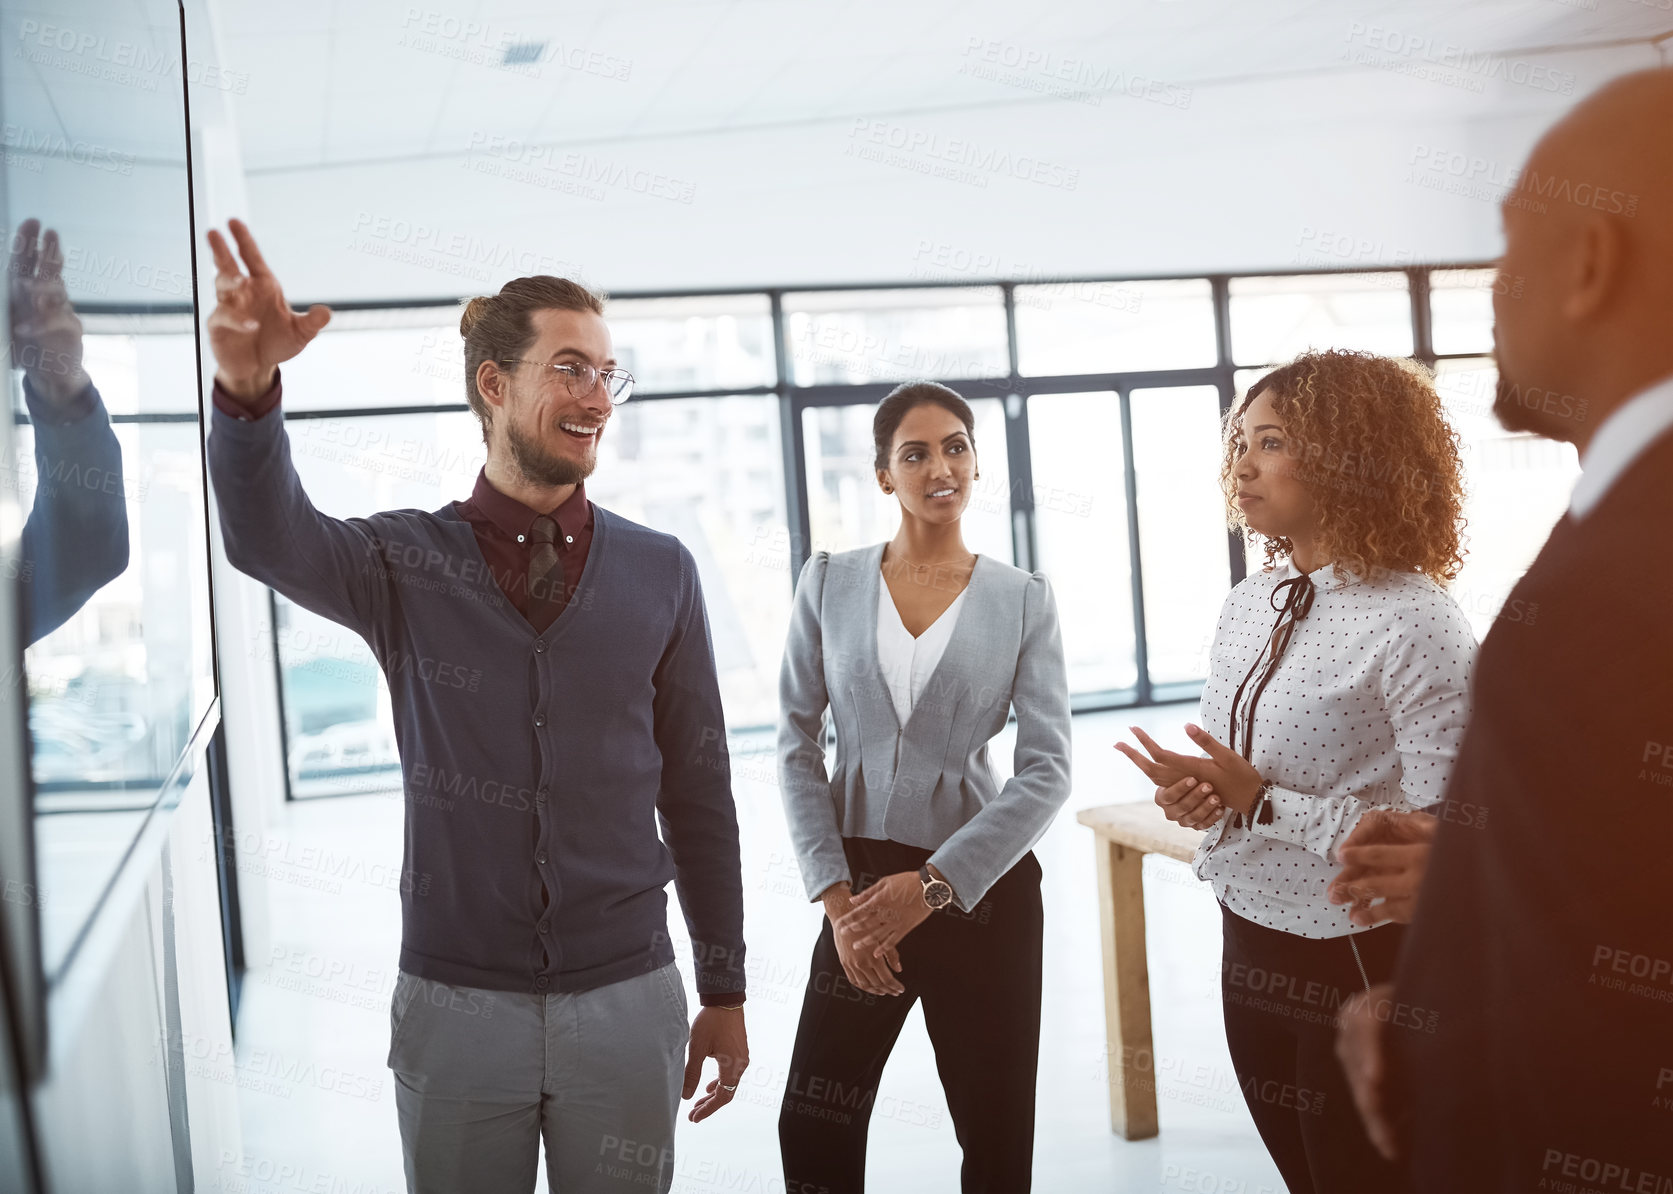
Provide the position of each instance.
(937, 892)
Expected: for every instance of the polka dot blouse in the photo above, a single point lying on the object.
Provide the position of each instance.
(1367, 709)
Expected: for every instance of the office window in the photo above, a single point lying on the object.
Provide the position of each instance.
(1243, 379)
(1081, 533)
(338, 722)
(720, 342)
(856, 336)
(709, 471)
(1102, 327)
(405, 356)
(339, 727)
(1182, 526)
(414, 356)
(1276, 319)
(847, 509)
(1461, 309)
(1516, 488)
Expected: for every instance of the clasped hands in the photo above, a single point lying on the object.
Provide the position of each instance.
(868, 928)
(1383, 859)
(1196, 790)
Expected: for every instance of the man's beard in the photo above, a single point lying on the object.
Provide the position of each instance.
(540, 466)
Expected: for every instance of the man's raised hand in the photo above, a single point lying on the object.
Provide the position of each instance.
(46, 332)
(252, 330)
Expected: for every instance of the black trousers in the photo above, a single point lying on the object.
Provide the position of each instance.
(978, 975)
(1281, 993)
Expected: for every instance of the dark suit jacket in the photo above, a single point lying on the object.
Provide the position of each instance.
(1532, 1031)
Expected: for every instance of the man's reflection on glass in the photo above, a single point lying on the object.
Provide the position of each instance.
(76, 538)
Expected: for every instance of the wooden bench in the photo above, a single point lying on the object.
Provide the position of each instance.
(1125, 833)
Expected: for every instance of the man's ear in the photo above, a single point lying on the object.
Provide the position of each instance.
(1597, 262)
(491, 383)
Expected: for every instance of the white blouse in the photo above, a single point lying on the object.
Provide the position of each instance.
(1366, 709)
(909, 662)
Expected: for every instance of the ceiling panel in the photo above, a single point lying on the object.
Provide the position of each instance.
(826, 142)
(397, 79)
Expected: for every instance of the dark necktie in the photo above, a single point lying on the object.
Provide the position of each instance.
(545, 574)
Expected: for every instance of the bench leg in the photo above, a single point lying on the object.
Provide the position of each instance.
(1132, 1064)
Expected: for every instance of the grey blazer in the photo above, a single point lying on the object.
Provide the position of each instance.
(927, 783)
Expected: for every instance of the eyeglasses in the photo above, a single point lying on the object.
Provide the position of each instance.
(581, 378)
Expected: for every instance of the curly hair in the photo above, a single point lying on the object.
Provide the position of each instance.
(1372, 445)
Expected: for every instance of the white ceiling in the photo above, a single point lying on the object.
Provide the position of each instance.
(1304, 117)
(333, 81)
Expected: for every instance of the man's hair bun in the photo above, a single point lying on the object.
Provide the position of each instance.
(475, 310)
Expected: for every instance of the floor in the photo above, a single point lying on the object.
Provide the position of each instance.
(318, 1108)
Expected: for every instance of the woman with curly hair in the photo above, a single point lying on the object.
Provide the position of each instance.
(1339, 678)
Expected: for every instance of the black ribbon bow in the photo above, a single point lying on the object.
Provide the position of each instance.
(1297, 594)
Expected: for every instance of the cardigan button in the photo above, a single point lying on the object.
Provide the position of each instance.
(541, 982)
(539, 646)
(544, 927)
(541, 858)
(539, 720)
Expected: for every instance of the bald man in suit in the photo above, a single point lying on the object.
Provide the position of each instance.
(1526, 1042)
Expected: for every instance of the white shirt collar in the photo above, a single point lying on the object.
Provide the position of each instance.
(1633, 426)
(1324, 577)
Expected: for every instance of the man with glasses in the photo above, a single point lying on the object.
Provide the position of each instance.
(555, 699)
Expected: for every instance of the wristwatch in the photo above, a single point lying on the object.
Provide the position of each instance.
(937, 893)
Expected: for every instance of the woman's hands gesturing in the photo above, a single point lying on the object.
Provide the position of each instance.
(1229, 777)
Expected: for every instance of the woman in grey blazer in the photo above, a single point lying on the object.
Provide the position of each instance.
(919, 649)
